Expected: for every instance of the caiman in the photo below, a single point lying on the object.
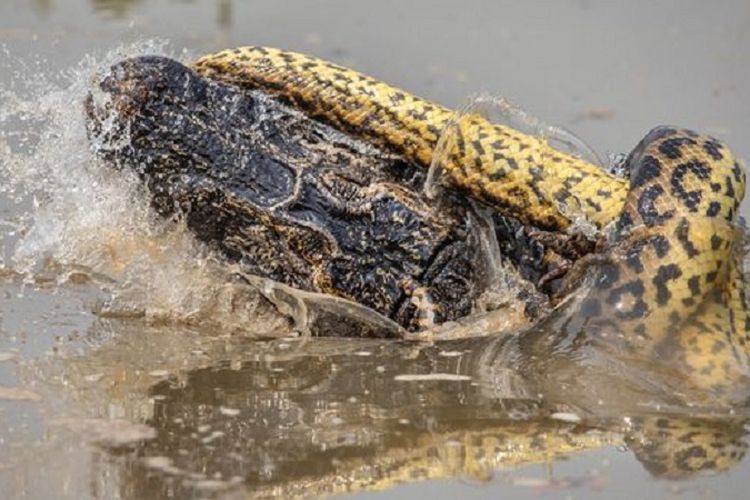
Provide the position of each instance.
(301, 203)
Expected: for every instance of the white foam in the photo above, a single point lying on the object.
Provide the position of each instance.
(68, 210)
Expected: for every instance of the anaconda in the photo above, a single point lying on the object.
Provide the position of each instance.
(669, 273)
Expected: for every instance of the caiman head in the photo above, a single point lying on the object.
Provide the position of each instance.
(287, 197)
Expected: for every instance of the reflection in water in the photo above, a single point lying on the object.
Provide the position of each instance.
(224, 16)
(117, 8)
(121, 8)
(42, 6)
(313, 417)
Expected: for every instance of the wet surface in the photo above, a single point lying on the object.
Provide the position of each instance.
(118, 374)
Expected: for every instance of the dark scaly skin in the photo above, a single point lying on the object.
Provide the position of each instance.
(675, 274)
(291, 199)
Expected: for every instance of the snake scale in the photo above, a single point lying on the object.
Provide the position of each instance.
(672, 273)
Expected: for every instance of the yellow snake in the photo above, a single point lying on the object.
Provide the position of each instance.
(674, 274)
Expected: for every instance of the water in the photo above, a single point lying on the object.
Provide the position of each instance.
(125, 364)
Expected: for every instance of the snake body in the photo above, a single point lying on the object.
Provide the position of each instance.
(673, 273)
(519, 174)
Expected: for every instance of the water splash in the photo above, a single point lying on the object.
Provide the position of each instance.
(64, 217)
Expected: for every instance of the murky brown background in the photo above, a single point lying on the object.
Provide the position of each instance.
(608, 72)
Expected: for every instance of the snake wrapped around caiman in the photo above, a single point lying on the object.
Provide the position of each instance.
(668, 267)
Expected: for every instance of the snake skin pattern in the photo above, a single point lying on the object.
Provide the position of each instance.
(516, 173)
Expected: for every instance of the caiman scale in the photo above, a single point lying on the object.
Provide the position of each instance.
(666, 278)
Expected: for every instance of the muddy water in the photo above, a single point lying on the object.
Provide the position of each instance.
(127, 367)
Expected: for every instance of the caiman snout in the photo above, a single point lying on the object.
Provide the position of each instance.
(132, 88)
